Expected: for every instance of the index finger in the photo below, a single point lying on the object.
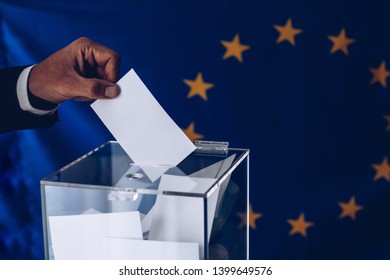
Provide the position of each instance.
(108, 62)
(105, 60)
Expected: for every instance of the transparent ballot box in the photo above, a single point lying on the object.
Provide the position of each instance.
(104, 206)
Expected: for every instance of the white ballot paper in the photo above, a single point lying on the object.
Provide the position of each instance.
(142, 127)
(80, 237)
(181, 218)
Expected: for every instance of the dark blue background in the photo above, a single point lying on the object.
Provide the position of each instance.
(312, 120)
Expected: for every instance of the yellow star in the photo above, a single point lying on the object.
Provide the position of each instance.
(350, 208)
(341, 42)
(234, 48)
(387, 118)
(252, 218)
(287, 32)
(380, 74)
(190, 132)
(198, 87)
(382, 170)
(299, 225)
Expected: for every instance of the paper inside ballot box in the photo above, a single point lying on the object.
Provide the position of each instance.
(173, 223)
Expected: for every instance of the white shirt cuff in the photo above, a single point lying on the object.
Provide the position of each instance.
(22, 93)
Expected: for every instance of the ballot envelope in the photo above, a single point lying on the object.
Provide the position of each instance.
(104, 206)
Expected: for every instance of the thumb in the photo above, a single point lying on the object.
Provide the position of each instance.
(94, 88)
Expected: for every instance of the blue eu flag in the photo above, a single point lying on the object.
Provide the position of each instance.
(303, 84)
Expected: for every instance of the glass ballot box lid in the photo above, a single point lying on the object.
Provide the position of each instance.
(105, 206)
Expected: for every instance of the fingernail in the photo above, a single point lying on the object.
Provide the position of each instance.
(111, 92)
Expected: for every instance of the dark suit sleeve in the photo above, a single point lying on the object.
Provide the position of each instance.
(12, 117)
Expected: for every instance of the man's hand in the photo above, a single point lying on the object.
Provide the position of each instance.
(84, 70)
